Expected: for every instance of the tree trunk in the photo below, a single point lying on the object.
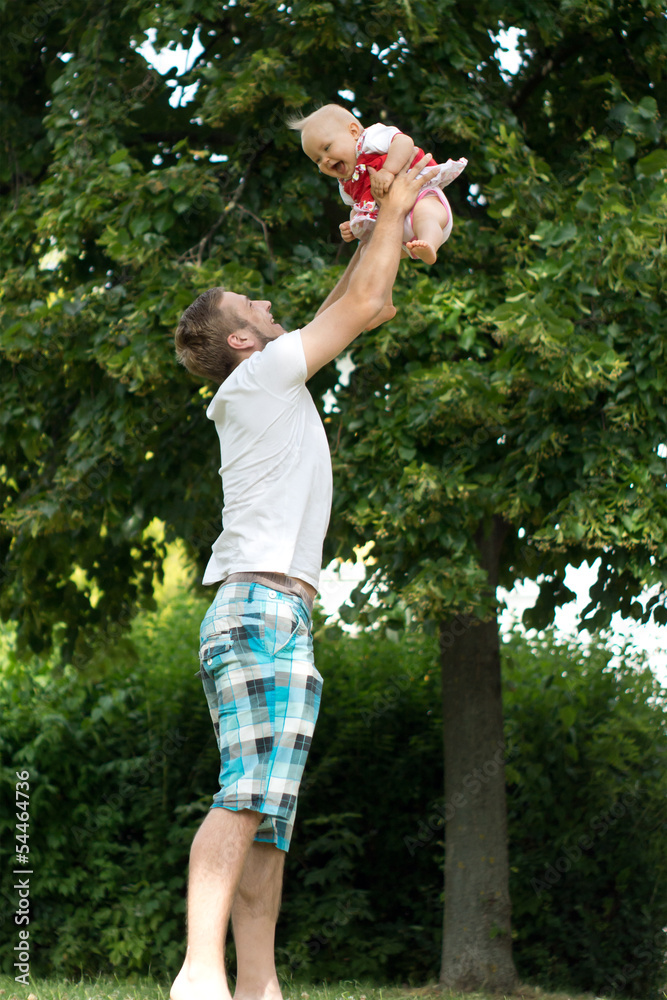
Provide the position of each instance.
(477, 943)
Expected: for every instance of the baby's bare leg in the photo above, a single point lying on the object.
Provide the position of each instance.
(431, 224)
(387, 312)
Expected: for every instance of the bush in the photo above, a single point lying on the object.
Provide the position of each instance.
(113, 755)
(359, 900)
(587, 798)
(123, 762)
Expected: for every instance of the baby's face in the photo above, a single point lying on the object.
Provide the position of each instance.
(332, 146)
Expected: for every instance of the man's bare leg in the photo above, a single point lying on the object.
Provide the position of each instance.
(254, 916)
(217, 857)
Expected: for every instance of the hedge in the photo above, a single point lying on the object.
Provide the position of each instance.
(122, 764)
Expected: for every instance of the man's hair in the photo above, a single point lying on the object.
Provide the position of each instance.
(201, 337)
(298, 123)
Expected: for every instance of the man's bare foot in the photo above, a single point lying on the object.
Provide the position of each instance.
(423, 250)
(270, 992)
(186, 987)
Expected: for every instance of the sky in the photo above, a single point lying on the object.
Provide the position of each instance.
(179, 60)
(338, 581)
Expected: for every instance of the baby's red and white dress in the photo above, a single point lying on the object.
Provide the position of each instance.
(372, 148)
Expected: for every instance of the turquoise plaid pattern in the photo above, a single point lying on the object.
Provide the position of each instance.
(263, 693)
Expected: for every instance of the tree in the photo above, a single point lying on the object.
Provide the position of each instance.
(532, 434)
(510, 421)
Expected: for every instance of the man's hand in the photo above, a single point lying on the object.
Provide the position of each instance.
(402, 194)
(381, 181)
(346, 232)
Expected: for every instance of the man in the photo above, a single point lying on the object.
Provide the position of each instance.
(256, 650)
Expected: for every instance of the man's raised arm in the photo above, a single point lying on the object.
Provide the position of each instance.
(366, 284)
(340, 287)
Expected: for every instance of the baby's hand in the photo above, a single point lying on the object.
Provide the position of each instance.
(381, 181)
(346, 232)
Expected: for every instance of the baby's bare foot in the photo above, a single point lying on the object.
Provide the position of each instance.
(423, 250)
(387, 312)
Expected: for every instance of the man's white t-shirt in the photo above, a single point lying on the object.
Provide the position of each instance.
(276, 467)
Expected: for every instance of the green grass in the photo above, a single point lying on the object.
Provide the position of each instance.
(108, 988)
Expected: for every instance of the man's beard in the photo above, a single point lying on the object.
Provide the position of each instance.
(261, 337)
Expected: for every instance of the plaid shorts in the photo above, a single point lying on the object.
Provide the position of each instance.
(263, 693)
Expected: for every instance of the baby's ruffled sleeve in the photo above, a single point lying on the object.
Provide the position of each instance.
(377, 138)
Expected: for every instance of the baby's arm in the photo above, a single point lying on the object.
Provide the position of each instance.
(401, 151)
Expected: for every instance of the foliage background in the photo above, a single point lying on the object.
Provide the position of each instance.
(523, 378)
(123, 762)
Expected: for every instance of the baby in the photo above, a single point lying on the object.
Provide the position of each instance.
(365, 162)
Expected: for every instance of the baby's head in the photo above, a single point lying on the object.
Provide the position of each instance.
(329, 137)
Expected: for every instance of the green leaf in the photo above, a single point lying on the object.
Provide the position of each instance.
(587, 202)
(653, 163)
(554, 234)
(660, 615)
(118, 157)
(139, 224)
(648, 107)
(567, 715)
(624, 148)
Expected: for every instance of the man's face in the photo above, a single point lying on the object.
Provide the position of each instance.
(332, 146)
(255, 312)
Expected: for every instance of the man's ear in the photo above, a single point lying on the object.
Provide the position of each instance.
(241, 340)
